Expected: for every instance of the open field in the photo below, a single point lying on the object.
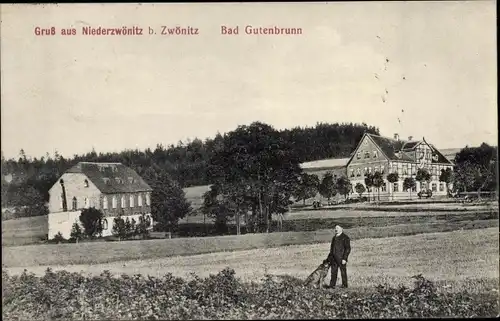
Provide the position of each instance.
(370, 210)
(105, 252)
(25, 230)
(32, 230)
(457, 259)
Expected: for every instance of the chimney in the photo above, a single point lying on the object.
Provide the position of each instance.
(396, 136)
(410, 138)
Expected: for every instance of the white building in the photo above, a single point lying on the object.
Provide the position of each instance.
(111, 188)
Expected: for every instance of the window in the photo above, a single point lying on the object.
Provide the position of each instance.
(352, 172)
(434, 187)
(358, 172)
(105, 202)
(383, 188)
(414, 188)
(441, 187)
(139, 200)
(148, 200)
(358, 155)
(74, 204)
(369, 170)
(382, 169)
(86, 183)
(123, 202)
(405, 170)
(375, 155)
(114, 201)
(104, 224)
(367, 154)
(369, 189)
(396, 187)
(375, 169)
(131, 201)
(366, 170)
(87, 203)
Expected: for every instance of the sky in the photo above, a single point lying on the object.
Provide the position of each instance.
(110, 93)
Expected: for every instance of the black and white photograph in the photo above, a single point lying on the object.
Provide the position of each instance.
(236, 161)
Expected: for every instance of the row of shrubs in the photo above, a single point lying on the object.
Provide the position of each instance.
(314, 224)
(123, 229)
(63, 296)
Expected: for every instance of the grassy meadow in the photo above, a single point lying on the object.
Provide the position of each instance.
(454, 259)
(105, 252)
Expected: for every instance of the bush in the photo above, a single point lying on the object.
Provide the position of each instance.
(76, 233)
(58, 238)
(63, 295)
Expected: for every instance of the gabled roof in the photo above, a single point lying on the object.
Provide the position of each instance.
(410, 145)
(399, 149)
(111, 178)
(441, 158)
(390, 147)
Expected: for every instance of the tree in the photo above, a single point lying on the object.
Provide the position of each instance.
(360, 189)
(344, 186)
(378, 182)
(91, 221)
(476, 169)
(142, 228)
(409, 183)
(219, 207)
(327, 187)
(257, 169)
(369, 182)
(76, 232)
(168, 200)
(119, 228)
(422, 176)
(307, 187)
(446, 177)
(129, 230)
(392, 178)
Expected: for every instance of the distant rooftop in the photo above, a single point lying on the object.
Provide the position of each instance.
(325, 163)
(111, 177)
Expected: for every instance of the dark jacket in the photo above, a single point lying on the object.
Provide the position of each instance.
(339, 249)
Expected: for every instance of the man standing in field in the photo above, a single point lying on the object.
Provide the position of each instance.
(339, 252)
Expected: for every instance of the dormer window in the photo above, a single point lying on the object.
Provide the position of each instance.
(86, 183)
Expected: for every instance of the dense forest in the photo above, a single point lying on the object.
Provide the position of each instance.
(26, 180)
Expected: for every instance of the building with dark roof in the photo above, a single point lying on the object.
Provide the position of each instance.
(113, 188)
(392, 155)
